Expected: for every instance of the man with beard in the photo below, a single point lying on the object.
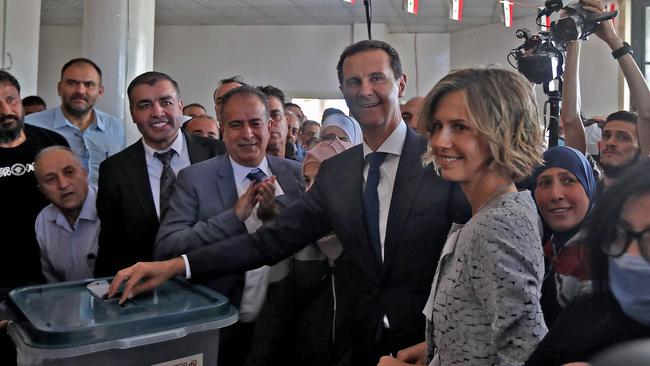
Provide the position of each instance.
(135, 184)
(19, 144)
(619, 145)
(92, 134)
(278, 125)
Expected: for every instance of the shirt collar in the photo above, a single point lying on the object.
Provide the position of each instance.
(177, 145)
(393, 143)
(60, 120)
(88, 211)
(240, 172)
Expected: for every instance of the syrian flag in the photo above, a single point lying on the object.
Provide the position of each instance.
(456, 10)
(410, 6)
(507, 13)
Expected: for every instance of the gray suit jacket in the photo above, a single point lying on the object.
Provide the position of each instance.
(201, 212)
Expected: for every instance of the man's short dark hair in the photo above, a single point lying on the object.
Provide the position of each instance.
(193, 105)
(6, 77)
(150, 78)
(33, 100)
(233, 79)
(622, 116)
(369, 45)
(294, 105)
(271, 91)
(82, 60)
(308, 123)
(246, 91)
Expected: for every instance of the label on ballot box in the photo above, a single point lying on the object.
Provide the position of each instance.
(196, 360)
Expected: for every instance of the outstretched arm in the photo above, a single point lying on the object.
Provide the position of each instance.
(639, 92)
(574, 131)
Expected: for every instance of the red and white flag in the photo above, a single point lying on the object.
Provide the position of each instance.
(410, 6)
(349, 1)
(545, 21)
(456, 10)
(507, 12)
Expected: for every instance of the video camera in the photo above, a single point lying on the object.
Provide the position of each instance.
(577, 24)
(541, 58)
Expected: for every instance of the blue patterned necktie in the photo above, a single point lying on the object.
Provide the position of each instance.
(371, 200)
(167, 178)
(256, 175)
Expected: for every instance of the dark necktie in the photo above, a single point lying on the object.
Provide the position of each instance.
(167, 178)
(371, 200)
(256, 175)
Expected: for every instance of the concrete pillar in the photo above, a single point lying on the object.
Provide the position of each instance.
(19, 37)
(118, 36)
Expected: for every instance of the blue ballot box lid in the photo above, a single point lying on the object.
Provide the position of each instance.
(69, 315)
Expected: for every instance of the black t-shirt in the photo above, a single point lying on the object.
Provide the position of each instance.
(21, 203)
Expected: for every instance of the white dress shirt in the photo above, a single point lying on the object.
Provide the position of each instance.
(387, 172)
(257, 280)
(179, 161)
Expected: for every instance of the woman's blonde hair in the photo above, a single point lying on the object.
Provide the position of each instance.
(502, 103)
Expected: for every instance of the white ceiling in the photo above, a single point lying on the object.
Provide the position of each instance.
(433, 15)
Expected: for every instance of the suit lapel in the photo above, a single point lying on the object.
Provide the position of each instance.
(284, 176)
(350, 202)
(195, 149)
(136, 171)
(226, 181)
(407, 185)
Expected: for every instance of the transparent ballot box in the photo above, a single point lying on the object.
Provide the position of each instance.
(72, 324)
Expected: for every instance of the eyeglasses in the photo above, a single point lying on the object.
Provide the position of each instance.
(294, 130)
(313, 141)
(625, 236)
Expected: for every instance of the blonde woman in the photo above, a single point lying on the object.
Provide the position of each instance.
(484, 308)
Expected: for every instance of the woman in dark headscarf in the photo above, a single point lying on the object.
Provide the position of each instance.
(564, 189)
(618, 311)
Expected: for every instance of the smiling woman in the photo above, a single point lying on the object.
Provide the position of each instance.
(484, 306)
(564, 188)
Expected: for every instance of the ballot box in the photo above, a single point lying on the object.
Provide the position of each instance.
(71, 324)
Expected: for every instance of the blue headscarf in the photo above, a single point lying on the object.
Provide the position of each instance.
(575, 162)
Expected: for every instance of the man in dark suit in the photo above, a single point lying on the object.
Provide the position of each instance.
(130, 191)
(220, 198)
(390, 213)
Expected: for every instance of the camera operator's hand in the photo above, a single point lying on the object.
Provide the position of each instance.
(605, 30)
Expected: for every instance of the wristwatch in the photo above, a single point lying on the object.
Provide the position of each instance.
(624, 50)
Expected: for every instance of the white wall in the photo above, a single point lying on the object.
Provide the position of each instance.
(59, 44)
(302, 59)
(21, 42)
(490, 45)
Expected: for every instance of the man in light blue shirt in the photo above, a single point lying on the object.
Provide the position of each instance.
(92, 134)
(67, 230)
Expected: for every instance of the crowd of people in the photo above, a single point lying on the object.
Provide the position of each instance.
(441, 231)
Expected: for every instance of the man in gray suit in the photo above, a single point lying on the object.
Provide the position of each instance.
(227, 196)
(391, 214)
